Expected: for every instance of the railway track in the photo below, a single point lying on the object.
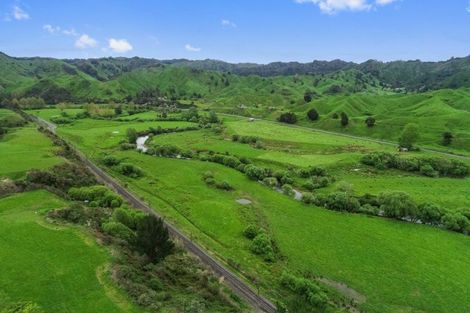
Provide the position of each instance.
(259, 303)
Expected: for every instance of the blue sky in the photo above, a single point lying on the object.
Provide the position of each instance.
(237, 31)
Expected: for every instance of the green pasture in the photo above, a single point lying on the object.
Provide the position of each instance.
(397, 266)
(22, 149)
(60, 269)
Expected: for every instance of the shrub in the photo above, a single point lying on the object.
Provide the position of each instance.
(369, 199)
(317, 182)
(261, 245)
(270, 181)
(428, 170)
(131, 135)
(110, 160)
(11, 121)
(130, 170)
(119, 230)
(308, 198)
(224, 186)
(8, 186)
(342, 201)
(60, 120)
(397, 204)
(369, 209)
(370, 121)
(288, 117)
(231, 161)
(288, 190)
(250, 232)
(313, 115)
(101, 194)
(127, 217)
(430, 213)
(235, 137)
(456, 221)
(312, 171)
(256, 173)
(62, 177)
(75, 213)
(286, 179)
(306, 289)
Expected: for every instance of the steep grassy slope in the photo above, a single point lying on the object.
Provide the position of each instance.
(435, 113)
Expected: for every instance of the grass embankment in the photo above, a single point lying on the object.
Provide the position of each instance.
(397, 266)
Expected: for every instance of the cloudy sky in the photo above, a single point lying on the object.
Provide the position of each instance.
(237, 31)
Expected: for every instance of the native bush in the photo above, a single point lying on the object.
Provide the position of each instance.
(261, 245)
(130, 170)
(100, 194)
(342, 201)
(251, 231)
(397, 204)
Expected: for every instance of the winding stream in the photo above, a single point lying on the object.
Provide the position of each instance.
(140, 143)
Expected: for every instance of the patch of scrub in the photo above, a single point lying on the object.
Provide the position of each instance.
(344, 290)
(243, 201)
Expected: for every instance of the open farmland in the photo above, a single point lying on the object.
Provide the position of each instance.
(354, 249)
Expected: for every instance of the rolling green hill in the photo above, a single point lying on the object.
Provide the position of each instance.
(360, 90)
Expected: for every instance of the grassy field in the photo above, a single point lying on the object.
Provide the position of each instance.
(58, 268)
(22, 149)
(53, 112)
(99, 135)
(300, 147)
(398, 267)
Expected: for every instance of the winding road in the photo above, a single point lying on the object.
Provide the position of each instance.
(259, 303)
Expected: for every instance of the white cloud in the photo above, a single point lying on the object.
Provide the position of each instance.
(228, 23)
(19, 14)
(85, 41)
(69, 32)
(468, 8)
(58, 30)
(120, 45)
(334, 6)
(51, 29)
(191, 48)
(384, 2)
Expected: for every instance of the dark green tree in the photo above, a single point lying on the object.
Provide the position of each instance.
(409, 136)
(131, 134)
(288, 117)
(313, 115)
(344, 119)
(308, 96)
(153, 238)
(213, 118)
(447, 138)
(370, 121)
